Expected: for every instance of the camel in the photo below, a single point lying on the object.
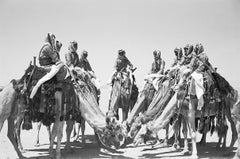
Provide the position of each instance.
(190, 116)
(89, 108)
(143, 101)
(32, 73)
(8, 111)
(121, 95)
(236, 113)
(156, 106)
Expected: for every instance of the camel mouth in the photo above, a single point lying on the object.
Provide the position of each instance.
(112, 136)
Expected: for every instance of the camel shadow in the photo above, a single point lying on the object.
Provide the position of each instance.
(208, 150)
(91, 149)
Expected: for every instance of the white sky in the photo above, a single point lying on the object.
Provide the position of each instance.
(103, 26)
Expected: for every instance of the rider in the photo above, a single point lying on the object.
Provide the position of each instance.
(159, 64)
(49, 58)
(85, 65)
(72, 58)
(121, 65)
(157, 69)
(179, 59)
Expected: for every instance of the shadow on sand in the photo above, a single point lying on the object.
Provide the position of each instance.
(207, 150)
(91, 149)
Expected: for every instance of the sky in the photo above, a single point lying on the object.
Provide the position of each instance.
(102, 27)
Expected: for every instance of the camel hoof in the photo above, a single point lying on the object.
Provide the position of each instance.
(22, 151)
(68, 149)
(175, 147)
(194, 157)
(51, 154)
(236, 157)
(59, 157)
(165, 144)
(22, 157)
(224, 147)
(218, 147)
(83, 143)
(37, 145)
(157, 143)
(185, 152)
(234, 139)
(202, 143)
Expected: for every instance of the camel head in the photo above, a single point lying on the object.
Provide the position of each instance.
(112, 136)
(145, 133)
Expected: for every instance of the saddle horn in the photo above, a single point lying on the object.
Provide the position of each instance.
(34, 60)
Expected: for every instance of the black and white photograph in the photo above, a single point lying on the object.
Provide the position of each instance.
(122, 79)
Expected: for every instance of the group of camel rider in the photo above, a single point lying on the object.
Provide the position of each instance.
(193, 63)
(49, 58)
(192, 60)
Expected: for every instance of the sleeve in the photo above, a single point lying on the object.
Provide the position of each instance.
(175, 62)
(129, 63)
(53, 54)
(68, 59)
(161, 71)
(152, 68)
(89, 66)
(116, 65)
(193, 62)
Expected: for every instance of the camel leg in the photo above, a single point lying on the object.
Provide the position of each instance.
(59, 139)
(219, 142)
(49, 132)
(59, 127)
(69, 129)
(18, 132)
(224, 140)
(78, 131)
(56, 125)
(191, 119)
(1, 124)
(159, 141)
(233, 127)
(12, 137)
(166, 135)
(83, 130)
(124, 114)
(176, 128)
(237, 154)
(74, 130)
(184, 131)
(203, 139)
(52, 138)
(39, 124)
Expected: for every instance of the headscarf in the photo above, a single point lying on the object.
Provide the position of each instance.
(73, 46)
(84, 54)
(50, 39)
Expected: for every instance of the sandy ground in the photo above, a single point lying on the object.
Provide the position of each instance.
(92, 149)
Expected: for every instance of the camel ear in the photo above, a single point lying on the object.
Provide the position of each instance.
(114, 120)
(107, 120)
(15, 85)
